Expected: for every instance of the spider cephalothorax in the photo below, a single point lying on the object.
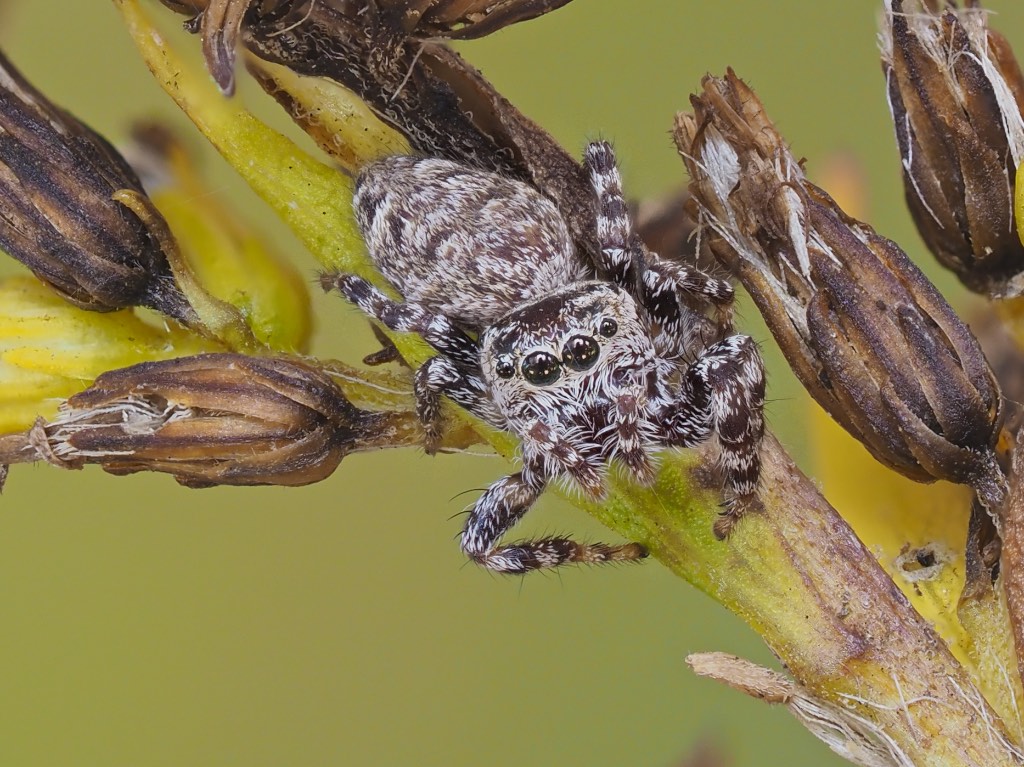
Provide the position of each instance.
(588, 363)
(582, 358)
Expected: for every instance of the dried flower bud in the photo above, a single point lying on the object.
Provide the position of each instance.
(219, 22)
(955, 92)
(212, 419)
(57, 217)
(438, 101)
(866, 333)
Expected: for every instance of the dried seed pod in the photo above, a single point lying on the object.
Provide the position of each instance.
(219, 419)
(955, 91)
(57, 178)
(867, 334)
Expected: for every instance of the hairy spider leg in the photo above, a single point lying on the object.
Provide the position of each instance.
(502, 505)
(617, 258)
(436, 329)
(551, 450)
(723, 393)
(630, 424)
(657, 284)
(466, 388)
(455, 373)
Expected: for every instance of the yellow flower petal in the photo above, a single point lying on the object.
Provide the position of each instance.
(49, 349)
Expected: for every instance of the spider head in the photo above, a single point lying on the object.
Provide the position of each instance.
(571, 342)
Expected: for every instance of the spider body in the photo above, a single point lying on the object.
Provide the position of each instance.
(589, 363)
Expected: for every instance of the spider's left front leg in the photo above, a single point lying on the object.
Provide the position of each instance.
(632, 429)
(661, 286)
(723, 394)
(548, 452)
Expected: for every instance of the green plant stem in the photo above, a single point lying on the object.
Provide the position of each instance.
(801, 578)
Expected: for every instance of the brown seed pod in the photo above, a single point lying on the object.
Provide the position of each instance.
(864, 330)
(219, 419)
(57, 215)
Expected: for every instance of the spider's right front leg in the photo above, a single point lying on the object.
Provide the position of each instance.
(501, 507)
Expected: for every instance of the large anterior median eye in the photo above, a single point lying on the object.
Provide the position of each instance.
(580, 352)
(541, 368)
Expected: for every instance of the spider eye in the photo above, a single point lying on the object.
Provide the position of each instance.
(505, 368)
(608, 327)
(541, 368)
(581, 352)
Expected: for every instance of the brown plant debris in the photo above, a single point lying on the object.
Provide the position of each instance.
(867, 334)
(851, 736)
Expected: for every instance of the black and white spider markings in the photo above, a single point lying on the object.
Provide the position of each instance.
(588, 364)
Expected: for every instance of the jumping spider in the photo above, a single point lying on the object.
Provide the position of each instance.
(584, 370)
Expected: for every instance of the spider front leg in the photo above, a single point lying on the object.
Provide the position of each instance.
(436, 329)
(454, 373)
(724, 395)
(549, 449)
(441, 375)
(501, 507)
(629, 424)
(661, 286)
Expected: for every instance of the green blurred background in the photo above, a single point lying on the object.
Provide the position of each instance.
(145, 624)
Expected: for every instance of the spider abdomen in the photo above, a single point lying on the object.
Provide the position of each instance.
(462, 242)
